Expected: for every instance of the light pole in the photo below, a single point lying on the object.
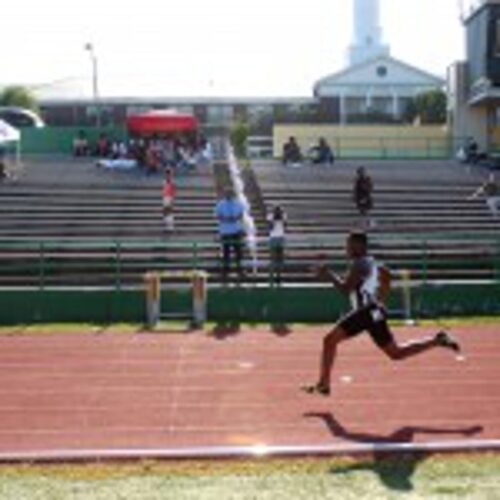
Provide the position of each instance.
(95, 85)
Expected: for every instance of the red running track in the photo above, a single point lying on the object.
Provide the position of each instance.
(141, 393)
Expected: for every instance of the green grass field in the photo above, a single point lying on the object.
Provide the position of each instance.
(180, 326)
(467, 476)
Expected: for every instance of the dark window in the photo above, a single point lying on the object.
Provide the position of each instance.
(381, 71)
(17, 119)
(497, 38)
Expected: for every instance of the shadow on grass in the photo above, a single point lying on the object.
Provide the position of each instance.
(394, 469)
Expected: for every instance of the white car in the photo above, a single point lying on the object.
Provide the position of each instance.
(20, 117)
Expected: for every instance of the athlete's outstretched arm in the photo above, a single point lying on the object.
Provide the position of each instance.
(345, 285)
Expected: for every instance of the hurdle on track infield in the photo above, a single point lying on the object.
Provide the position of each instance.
(406, 285)
(198, 280)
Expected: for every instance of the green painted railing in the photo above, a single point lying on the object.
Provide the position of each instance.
(118, 263)
(72, 280)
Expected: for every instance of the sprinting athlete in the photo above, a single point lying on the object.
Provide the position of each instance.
(362, 284)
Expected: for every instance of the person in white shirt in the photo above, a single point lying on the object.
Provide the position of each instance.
(122, 150)
(277, 221)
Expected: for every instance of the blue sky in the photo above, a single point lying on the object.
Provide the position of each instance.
(211, 48)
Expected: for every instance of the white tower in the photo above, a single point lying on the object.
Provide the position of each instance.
(367, 33)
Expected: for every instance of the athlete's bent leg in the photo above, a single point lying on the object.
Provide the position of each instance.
(400, 352)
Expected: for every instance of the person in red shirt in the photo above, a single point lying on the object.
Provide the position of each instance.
(168, 200)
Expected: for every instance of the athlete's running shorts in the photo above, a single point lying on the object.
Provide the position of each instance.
(373, 319)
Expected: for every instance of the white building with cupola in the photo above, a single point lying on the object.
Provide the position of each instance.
(373, 82)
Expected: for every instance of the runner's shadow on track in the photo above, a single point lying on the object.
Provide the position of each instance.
(222, 331)
(394, 469)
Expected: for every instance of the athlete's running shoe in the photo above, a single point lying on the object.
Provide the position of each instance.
(444, 339)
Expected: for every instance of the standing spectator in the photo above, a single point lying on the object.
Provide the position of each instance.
(277, 226)
(491, 190)
(229, 212)
(362, 192)
(168, 200)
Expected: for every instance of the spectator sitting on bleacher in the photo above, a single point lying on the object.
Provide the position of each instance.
(470, 153)
(322, 153)
(205, 153)
(291, 152)
(153, 157)
(491, 190)
(118, 156)
(114, 150)
(187, 158)
(362, 192)
(140, 152)
(80, 144)
(123, 150)
(102, 149)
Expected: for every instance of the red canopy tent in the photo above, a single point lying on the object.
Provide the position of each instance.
(161, 122)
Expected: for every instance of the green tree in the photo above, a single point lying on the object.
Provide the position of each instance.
(372, 117)
(17, 95)
(239, 136)
(428, 107)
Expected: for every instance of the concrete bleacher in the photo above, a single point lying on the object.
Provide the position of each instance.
(421, 220)
(68, 223)
(78, 218)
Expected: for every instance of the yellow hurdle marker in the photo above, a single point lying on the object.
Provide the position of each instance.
(152, 282)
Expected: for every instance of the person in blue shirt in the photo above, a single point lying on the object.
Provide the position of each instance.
(229, 212)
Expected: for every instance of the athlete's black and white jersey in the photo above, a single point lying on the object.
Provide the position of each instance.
(366, 291)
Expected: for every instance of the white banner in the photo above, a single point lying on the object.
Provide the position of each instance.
(8, 133)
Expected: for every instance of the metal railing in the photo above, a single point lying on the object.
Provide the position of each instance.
(122, 263)
(369, 147)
